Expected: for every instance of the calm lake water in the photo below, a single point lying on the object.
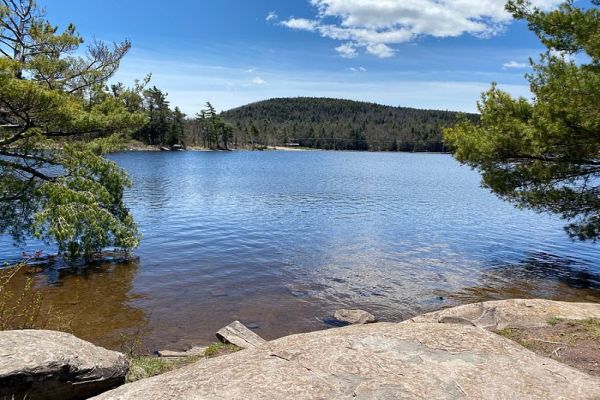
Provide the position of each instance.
(279, 240)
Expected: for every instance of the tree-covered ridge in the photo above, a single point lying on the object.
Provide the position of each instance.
(335, 124)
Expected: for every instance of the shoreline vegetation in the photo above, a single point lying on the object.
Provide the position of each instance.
(138, 146)
(297, 122)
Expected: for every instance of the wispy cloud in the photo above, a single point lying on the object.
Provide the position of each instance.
(514, 65)
(359, 69)
(380, 50)
(258, 81)
(347, 50)
(272, 16)
(190, 84)
(376, 25)
(301, 24)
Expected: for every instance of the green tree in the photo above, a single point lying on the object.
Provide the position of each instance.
(176, 130)
(226, 130)
(213, 123)
(159, 114)
(545, 154)
(254, 135)
(56, 120)
(202, 126)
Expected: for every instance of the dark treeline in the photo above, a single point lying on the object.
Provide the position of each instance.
(318, 123)
(334, 124)
(165, 126)
(169, 127)
(207, 129)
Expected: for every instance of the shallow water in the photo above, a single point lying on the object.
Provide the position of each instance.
(279, 240)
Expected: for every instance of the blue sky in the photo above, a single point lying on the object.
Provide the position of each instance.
(437, 54)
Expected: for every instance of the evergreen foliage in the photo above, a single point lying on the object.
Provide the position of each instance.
(209, 130)
(56, 120)
(333, 124)
(165, 126)
(545, 154)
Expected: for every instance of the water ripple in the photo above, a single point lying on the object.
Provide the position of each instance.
(282, 239)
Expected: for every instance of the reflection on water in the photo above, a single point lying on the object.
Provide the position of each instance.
(95, 304)
(280, 240)
(538, 276)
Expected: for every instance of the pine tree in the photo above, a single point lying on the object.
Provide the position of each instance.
(545, 154)
(176, 129)
(56, 119)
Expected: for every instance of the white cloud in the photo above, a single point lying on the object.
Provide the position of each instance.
(381, 50)
(272, 16)
(347, 50)
(250, 70)
(259, 81)
(561, 54)
(301, 24)
(374, 25)
(359, 69)
(514, 65)
(190, 83)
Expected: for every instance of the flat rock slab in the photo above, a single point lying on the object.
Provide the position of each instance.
(193, 352)
(354, 317)
(494, 315)
(236, 333)
(55, 365)
(374, 361)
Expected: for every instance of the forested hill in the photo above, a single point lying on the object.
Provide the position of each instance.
(339, 125)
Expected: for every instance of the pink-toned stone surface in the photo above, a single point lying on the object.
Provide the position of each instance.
(375, 361)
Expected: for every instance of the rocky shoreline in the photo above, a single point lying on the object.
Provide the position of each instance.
(137, 146)
(485, 350)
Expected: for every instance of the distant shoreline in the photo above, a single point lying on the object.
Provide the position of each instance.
(136, 146)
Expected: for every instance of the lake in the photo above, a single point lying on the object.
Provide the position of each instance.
(280, 240)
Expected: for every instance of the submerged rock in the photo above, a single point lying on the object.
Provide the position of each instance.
(496, 315)
(354, 317)
(55, 365)
(374, 361)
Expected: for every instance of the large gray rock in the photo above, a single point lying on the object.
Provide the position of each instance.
(511, 313)
(375, 361)
(55, 365)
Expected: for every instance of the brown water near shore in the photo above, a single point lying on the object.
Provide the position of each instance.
(99, 304)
